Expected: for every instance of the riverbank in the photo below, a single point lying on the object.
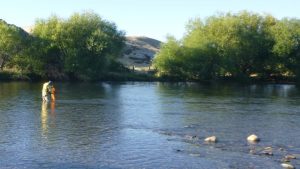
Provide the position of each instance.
(146, 77)
(16, 76)
(112, 76)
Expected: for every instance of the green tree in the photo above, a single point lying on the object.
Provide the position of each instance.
(85, 44)
(12, 42)
(48, 45)
(90, 42)
(202, 59)
(287, 46)
(169, 60)
(29, 61)
(243, 42)
(236, 45)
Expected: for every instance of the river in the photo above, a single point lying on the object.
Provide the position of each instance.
(148, 125)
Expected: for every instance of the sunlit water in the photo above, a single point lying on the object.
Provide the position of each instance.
(148, 125)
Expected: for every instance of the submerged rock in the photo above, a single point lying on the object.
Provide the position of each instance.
(190, 137)
(195, 154)
(289, 157)
(268, 148)
(284, 160)
(253, 138)
(252, 151)
(178, 150)
(211, 139)
(267, 151)
(287, 166)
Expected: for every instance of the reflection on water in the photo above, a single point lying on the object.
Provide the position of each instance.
(148, 125)
(44, 119)
(45, 113)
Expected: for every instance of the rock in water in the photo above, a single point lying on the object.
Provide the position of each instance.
(267, 151)
(287, 166)
(253, 138)
(289, 157)
(211, 139)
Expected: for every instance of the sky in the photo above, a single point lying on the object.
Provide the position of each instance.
(152, 18)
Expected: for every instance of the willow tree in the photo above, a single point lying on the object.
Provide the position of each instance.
(84, 43)
(12, 42)
(236, 45)
(287, 46)
(170, 59)
(202, 59)
(241, 42)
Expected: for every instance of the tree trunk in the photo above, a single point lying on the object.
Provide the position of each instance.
(2, 60)
(1, 63)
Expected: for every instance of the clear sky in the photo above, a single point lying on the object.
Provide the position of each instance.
(151, 18)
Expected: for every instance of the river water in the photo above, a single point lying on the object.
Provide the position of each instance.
(148, 125)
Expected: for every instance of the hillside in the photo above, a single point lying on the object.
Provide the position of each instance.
(139, 52)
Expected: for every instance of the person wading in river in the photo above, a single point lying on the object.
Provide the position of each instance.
(48, 89)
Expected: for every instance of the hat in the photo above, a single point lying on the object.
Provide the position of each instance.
(50, 82)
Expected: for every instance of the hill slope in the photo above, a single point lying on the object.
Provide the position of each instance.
(139, 51)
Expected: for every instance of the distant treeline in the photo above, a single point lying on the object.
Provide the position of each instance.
(82, 47)
(239, 46)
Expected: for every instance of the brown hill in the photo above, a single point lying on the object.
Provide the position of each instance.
(139, 51)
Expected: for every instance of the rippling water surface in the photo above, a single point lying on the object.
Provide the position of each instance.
(148, 125)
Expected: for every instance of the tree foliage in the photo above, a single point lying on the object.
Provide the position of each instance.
(287, 47)
(83, 45)
(12, 42)
(235, 45)
(170, 58)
